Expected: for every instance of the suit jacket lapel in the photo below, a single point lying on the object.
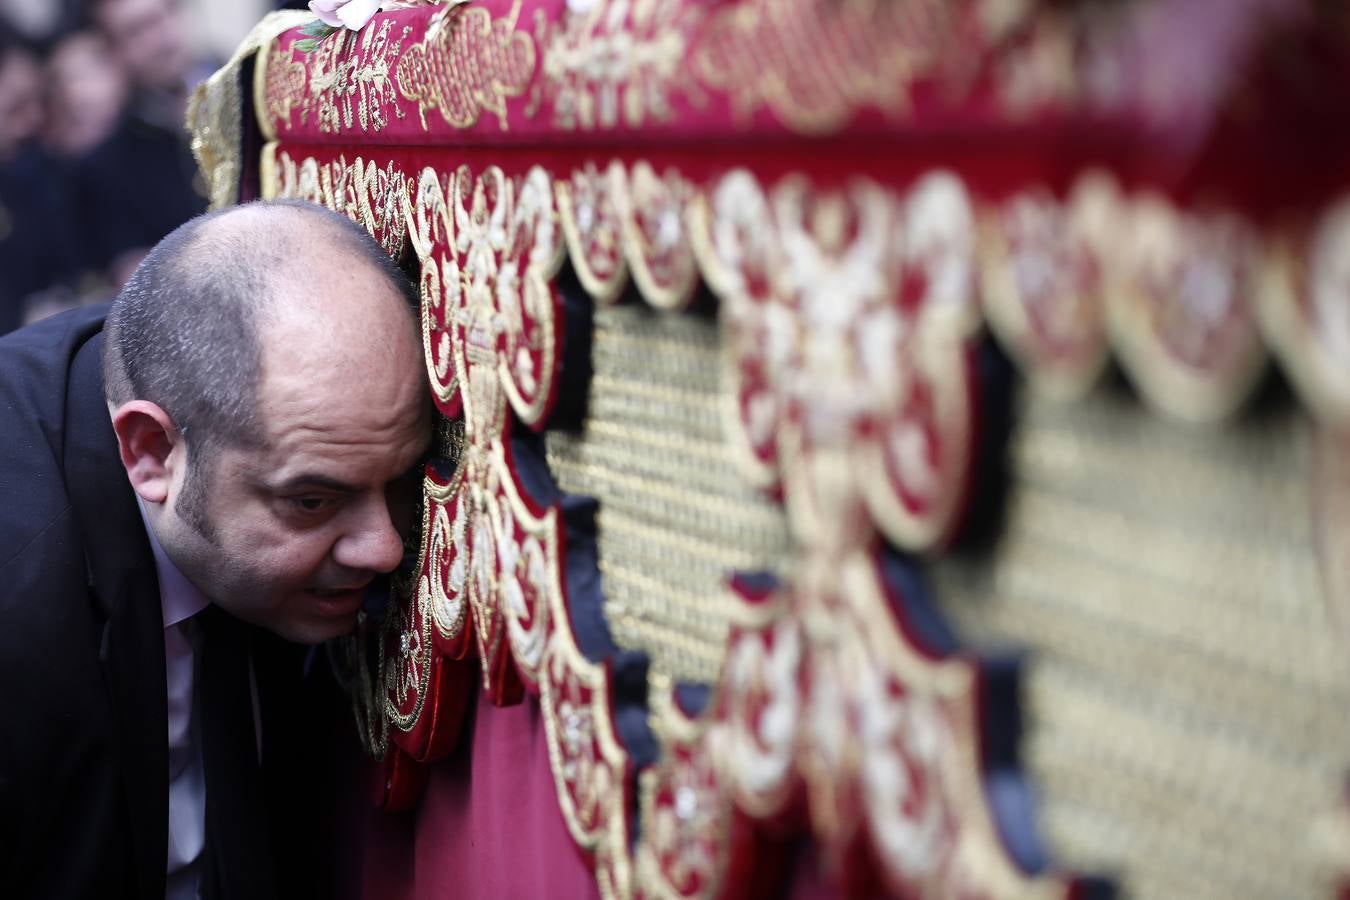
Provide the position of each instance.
(123, 581)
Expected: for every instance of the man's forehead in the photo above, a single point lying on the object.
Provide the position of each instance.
(356, 366)
(335, 453)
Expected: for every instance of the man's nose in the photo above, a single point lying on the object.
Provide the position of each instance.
(370, 543)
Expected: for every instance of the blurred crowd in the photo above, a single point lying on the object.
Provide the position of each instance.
(95, 164)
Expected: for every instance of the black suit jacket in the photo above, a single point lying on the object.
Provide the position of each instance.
(83, 721)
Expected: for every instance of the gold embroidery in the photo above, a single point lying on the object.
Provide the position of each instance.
(349, 79)
(675, 517)
(590, 767)
(373, 196)
(1305, 309)
(852, 654)
(845, 318)
(468, 64)
(617, 61)
(280, 88)
(686, 840)
(428, 228)
(1043, 287)
(407, 672)
(215, 112)
(1181, 305)
(814, 64)
(508, 239)
(528, 567)
(590, 222)
(443, 581)
(655, 239)
(490, 244)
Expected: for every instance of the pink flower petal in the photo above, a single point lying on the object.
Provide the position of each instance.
(326, 10)
(356, 13)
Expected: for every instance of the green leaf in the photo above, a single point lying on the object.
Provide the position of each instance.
(317, 29)
(308, 45)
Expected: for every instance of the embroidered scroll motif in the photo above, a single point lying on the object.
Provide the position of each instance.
(408, 656)
(347, 83)
(831, 692)
(425, 694)
(846, 316)
(514, 568)
(488, 246)
(814, 64)
(1307, 309)
(494, 244)
(655, 239)
(1043, 285)
(1182, 307)
(429, 232)
(689, 827)
(361, 190)
(590, 766)
(1187, 299)
(283, 85)
(589, 210)
(611, 62)
(722, 69)
(467, 65)
(827, 693)
(619, 221)
(443, 579)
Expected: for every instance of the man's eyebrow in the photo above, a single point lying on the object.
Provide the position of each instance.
(314, 480)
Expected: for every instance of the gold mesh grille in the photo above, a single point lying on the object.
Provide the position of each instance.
(675, 516)
(1188, 692)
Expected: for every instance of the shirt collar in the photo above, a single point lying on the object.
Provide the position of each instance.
(179, 598)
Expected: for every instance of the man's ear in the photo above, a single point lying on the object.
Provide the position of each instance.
(146, 437)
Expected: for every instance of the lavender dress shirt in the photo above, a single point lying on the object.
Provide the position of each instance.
(180, 601)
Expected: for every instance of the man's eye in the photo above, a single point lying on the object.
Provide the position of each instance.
(310, 504)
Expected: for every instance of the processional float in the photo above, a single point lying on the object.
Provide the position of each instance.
(777, 342)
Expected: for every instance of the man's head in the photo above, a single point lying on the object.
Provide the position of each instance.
(263, 371)
(149, 38)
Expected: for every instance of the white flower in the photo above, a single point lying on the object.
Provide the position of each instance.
(353, 14)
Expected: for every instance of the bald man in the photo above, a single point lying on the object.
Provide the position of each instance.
(232, 454)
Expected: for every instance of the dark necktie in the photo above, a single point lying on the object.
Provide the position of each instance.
(238, 858)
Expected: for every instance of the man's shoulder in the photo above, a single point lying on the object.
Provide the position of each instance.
(39, 354)
(34, 382)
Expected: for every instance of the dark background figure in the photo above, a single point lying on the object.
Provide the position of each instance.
(37, 245)
(86, 93)
(124, 215)
(40, 22)
(95, 164)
